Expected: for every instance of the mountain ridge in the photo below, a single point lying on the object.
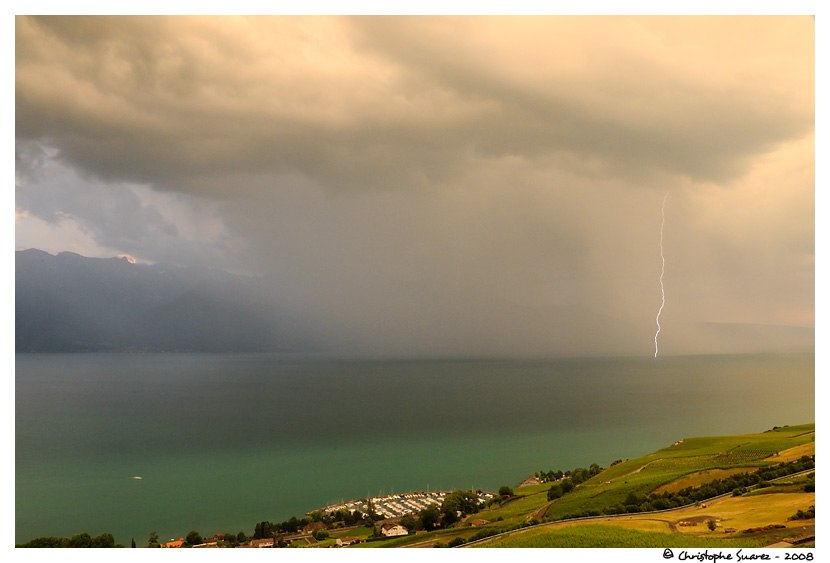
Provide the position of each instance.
(72, 303)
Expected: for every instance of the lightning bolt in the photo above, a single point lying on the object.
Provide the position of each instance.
(662, 271)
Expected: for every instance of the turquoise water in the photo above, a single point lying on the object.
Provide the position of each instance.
(225, 441)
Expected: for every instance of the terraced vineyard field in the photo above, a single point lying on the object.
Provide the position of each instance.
(746, 458)
(599, 536)
(689, 460)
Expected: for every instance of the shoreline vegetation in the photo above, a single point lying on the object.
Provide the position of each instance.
(730, 491)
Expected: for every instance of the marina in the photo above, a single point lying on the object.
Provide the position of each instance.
(394, 506)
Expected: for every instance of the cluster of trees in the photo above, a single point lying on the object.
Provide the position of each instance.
(565, 482)
(486, 533)
(811, 486)
(78, 540)
(505, 493)
(762, 477)
(736, 484)
(804, 514)
(336, 519)
(577, 475)
(455, 506)
(557, 490)
(343, 517)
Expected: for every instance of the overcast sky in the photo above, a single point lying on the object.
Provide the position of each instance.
(438, 185)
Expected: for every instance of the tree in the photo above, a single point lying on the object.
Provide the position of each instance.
(104, 540)
(632, 499)
(579, 475)
(346, 516)
(456, 542)
(465, 502)
(430, 516)
(291, 525)
(320, 535)
(409, 522)
(449, 517)
(712, 525)
(230, 539)
(193, 538)
(80, 540)
(154, 540)
(567, 486)
(373, 515)
(133, 543)
(42, 542)
(263, 530)
(505, 491)
(555, 491)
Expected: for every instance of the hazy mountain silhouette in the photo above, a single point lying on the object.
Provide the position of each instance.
(68, 303)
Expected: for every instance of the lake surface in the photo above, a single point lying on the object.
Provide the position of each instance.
(222, 442)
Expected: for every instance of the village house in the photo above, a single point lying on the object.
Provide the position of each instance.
(210, 542)
(343, 542)
(313, 527)
(393, 530)
(479, 522)
(174, 543)
(264, 542)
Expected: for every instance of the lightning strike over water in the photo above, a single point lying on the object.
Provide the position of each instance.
(662, 271)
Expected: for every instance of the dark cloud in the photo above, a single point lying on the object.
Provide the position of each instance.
(631, 100)
(440, 184)
(382, 103)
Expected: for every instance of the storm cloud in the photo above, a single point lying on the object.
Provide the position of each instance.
(439, 185)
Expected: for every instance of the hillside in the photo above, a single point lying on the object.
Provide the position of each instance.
(690, 465)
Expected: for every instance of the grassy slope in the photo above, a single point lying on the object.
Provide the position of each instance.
(687, 460)
(646, 474)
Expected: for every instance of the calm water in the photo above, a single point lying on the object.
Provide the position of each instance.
(225, 441)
